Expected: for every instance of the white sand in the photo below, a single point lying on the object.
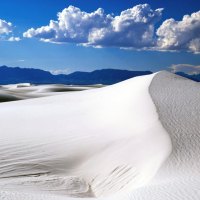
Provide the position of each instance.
(23, 91)
(178, 103)
(95, 143)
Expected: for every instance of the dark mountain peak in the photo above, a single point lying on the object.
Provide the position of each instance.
(104, 76)
(9, 75)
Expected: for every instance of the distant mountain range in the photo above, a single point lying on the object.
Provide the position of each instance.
(13, 75)
(194, 77)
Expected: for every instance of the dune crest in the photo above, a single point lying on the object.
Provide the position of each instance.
(93, 143)
(177, 102)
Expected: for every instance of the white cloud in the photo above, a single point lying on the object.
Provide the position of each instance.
(6, 29)
(14, 39)
(180, 35)
(60, 71)
(73, 25)
(186, 68)
(132, 28)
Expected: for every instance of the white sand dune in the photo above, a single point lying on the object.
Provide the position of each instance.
(23, 91)
(105, 143)
(178, 103)
(92, 143)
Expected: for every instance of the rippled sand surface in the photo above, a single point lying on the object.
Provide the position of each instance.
(135, 140)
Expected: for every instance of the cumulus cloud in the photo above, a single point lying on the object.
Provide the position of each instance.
(180, 35)
(133, 28)
(73, 25)
(60, 71)
(6, 29)
(186, 68)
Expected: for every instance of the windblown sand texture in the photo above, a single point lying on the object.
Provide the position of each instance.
(138, 139)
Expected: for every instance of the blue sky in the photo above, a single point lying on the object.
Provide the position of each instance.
(72, 54)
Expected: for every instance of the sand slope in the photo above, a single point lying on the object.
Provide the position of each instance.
(177, 101)
(94, 143)
(23, 91)
(106, 143)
